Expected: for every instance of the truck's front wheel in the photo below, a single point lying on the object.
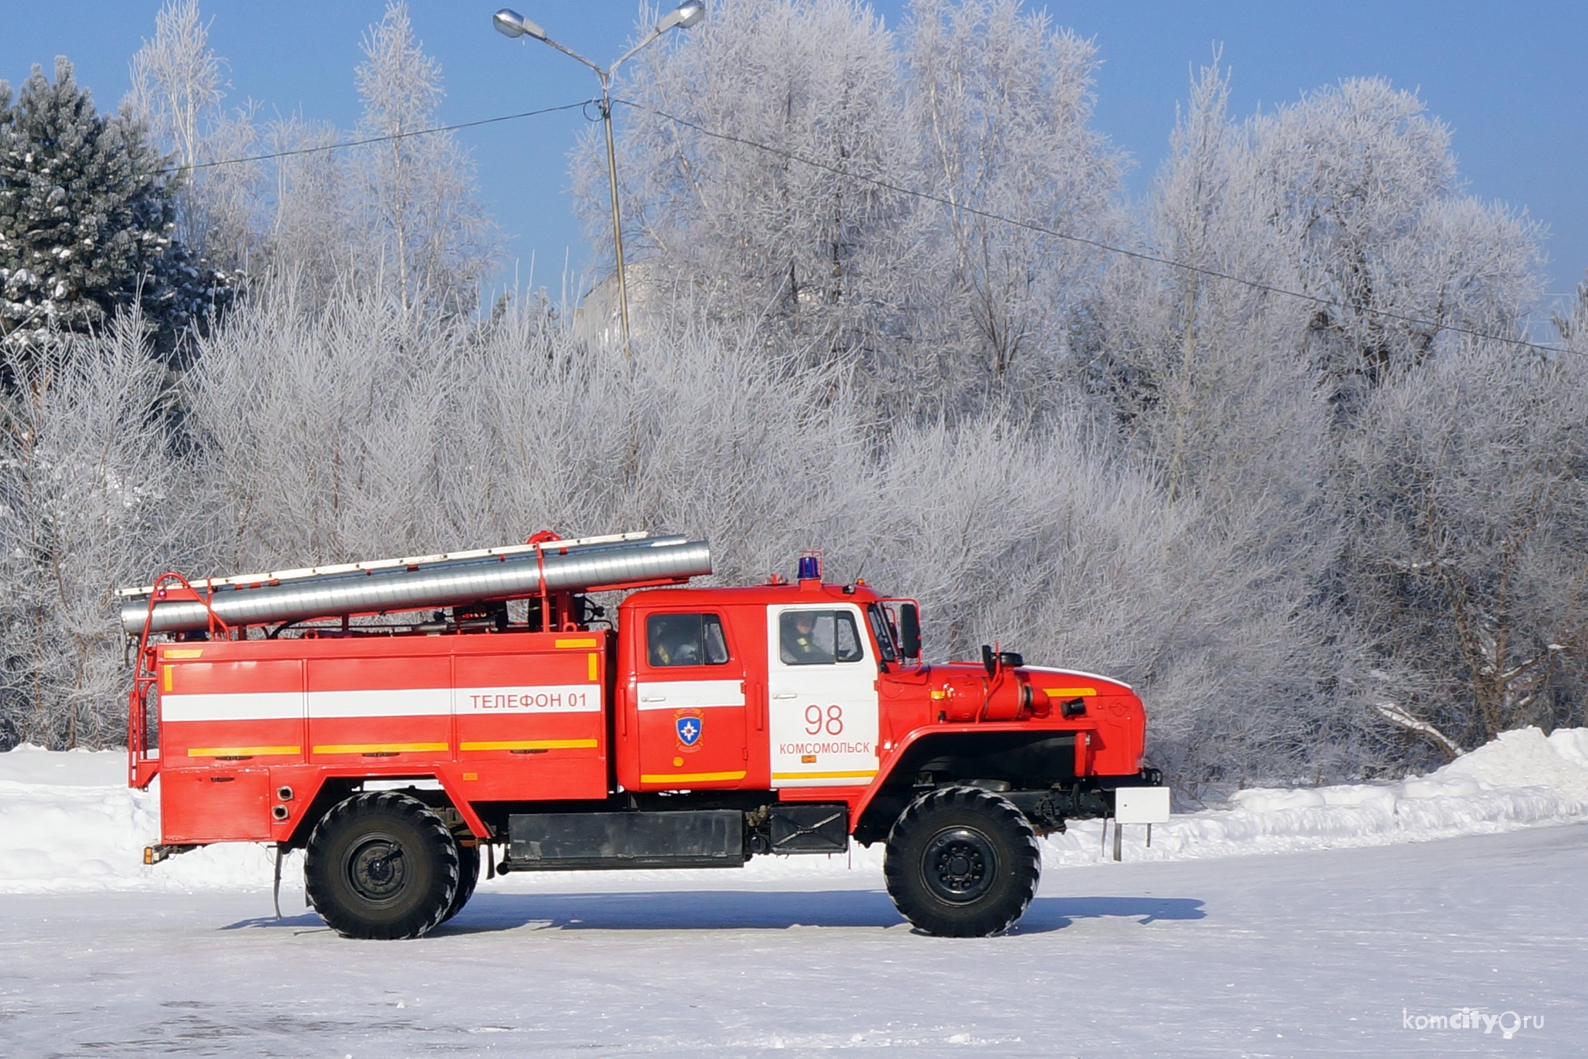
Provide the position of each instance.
(381, 865)
(962, 862)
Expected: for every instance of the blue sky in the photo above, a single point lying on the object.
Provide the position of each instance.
(1509, 78)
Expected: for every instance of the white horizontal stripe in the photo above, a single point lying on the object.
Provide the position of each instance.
(681, 694)
(250, 706)
(564, 698)
(407, 702)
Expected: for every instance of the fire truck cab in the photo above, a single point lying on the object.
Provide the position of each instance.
(703, 727)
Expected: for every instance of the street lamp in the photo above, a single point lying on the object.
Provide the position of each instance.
(511, 24)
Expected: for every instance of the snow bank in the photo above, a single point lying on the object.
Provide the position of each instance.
(69, 822)
(1520, 779)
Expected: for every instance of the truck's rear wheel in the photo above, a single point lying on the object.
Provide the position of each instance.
(381, 865)
(468, 878)
(962, 862)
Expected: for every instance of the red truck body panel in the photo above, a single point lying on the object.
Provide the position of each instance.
(507, 717)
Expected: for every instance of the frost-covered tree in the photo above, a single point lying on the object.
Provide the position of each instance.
(1455, 468)
(415, 211)
(178, 88)
(1572, 325)
(1362, 189)
(310, 237)
(1199, 368)
(86, 219)
(1001, 102)
(1470, 510)
(90, 498)
(745, 221)
(804, 187)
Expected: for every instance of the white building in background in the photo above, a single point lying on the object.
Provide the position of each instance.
(598, 318)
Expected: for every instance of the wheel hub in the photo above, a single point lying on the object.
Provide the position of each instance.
(376, 869)
(959, 864)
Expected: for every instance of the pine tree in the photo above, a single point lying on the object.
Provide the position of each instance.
(86, 220)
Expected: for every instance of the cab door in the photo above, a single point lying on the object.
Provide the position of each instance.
(691, 703)
(822, 691)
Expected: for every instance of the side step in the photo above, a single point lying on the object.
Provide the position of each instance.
(695, 838)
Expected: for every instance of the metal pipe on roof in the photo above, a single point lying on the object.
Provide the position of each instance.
(443, 584)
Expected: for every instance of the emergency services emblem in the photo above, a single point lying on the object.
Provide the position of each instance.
(689, 727)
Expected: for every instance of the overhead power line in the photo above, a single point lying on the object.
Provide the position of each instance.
(373, 139)
(1096, 244)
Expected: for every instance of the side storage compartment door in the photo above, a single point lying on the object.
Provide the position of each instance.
(379, 707)
(214, 805)
(230, 710)
(822, 680)
(691, 703)
(530, 719)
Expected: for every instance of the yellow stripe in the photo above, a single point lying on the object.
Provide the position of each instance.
(382, 748)
(583, 641)
(593, 673)
(243, 751)
(168, 678)
(183, 652)
(530, 744)
(693, 777)
(1069, 693)
(862, 774)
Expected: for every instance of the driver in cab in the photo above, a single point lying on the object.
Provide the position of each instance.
(674, 640)
(800, 642)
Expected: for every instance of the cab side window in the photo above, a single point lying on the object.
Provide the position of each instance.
(818, 637)
(685, 640)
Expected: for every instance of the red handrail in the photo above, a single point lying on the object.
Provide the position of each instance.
(141, 768)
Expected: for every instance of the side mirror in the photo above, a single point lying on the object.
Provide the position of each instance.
(909, 630)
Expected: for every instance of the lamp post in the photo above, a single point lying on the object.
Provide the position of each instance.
(511, 24)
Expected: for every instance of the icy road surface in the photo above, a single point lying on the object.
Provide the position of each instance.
(1317, 953)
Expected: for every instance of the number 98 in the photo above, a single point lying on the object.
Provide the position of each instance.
(817, 722)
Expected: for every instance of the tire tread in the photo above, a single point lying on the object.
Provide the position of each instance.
(934, 916)
(346, 813)
(468, 878)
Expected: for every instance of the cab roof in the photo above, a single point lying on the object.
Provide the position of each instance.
(752, 595)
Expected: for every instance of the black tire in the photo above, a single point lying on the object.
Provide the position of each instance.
(381, 865)
(962, 863)
(468, 877)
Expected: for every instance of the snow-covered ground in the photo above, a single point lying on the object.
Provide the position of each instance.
(1205, 944)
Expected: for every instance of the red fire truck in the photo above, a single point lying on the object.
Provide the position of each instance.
(395, 719)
